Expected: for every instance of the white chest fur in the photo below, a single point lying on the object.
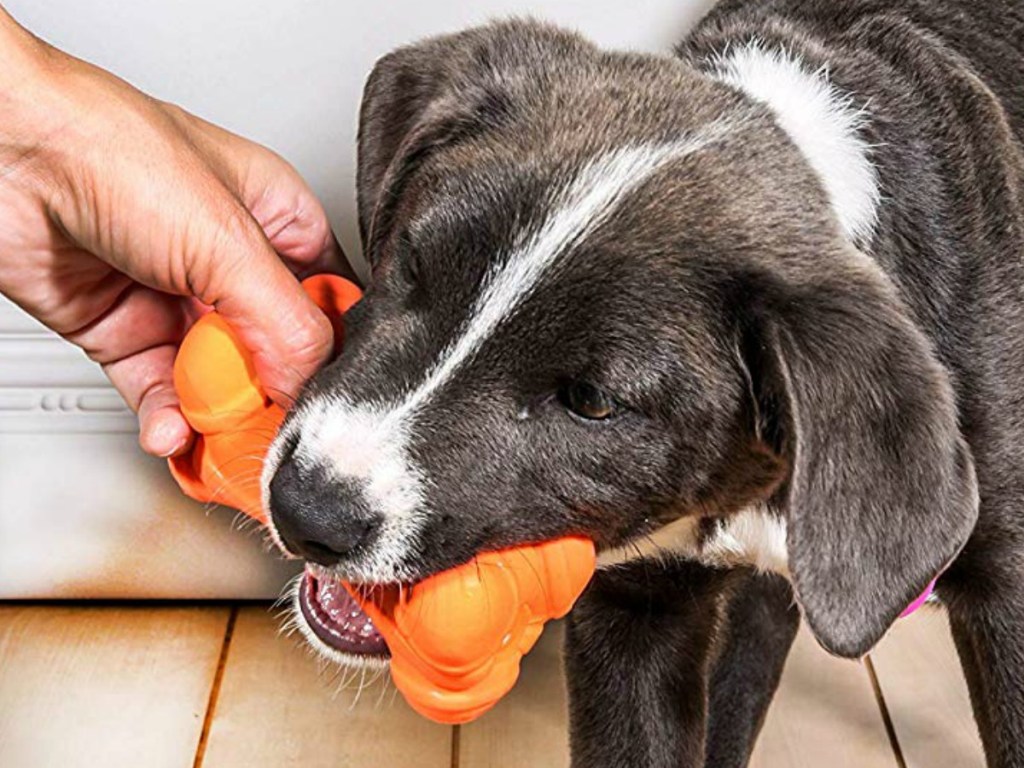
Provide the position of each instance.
(752, 537)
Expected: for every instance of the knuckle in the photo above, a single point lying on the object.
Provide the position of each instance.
(313, 340)
(216, 257)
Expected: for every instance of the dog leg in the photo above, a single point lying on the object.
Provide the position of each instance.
(987, 620)
(761, 623)
(638, 646)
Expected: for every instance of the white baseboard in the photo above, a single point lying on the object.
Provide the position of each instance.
(83, 512)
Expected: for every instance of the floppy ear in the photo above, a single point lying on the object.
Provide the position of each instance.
(405, 112)
(882, 493)
(436, 93)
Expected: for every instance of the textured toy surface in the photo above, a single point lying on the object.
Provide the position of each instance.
(457, 638)
(233, 416)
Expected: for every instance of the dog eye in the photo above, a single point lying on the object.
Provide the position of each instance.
(587, 401)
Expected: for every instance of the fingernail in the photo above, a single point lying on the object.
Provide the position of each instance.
(178, 447)
(173, 451)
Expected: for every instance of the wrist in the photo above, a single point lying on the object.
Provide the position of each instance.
(22, 66)
(22, 54)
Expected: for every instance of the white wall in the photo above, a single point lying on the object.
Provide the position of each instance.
(290, 74)
(82, 512)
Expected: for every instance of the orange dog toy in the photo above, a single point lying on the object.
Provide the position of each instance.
(223, 401)
(456, 638)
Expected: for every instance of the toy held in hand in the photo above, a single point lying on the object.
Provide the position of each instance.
(455, 639)
(234, 418)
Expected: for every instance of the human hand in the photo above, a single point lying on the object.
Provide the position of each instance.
(123, 218)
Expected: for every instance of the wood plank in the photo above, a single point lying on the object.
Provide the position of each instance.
(279, 706)
(825, 713)
(107, 686)
(529, 727)
(924, 689)
(825, 709)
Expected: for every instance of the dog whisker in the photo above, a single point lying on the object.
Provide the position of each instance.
(359, 689)
(385, 684)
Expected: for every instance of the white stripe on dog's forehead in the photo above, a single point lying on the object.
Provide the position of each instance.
(582, 207)
(370, 441)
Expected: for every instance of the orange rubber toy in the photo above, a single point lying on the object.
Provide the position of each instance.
(233, 417)
(456, 638)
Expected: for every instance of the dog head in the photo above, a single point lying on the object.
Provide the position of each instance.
(609, 292)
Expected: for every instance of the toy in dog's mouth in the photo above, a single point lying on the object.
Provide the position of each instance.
(453, 641)
(336, 618)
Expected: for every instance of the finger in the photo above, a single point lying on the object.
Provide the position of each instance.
(228, 264)
(163, 430)
(145, 380)
(139, 318)
(244, 280)
(269, 187)
(288, 336)
(136, 339)
(335, 261)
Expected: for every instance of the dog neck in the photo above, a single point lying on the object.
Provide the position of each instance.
(824, 122)
(825, 125)
(753, 537)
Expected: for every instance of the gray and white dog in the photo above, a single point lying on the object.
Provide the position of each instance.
(751, 317)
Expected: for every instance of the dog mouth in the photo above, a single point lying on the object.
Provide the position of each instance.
(336, 619)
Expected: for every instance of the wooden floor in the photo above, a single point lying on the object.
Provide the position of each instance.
(217, 687)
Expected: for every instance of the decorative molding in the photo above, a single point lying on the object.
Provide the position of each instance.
(62, 409)
(46, 361)
(48, 385)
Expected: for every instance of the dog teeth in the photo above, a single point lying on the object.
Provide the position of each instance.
(344, 612)
(337, 603)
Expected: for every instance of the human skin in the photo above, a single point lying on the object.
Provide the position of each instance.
(123, 218)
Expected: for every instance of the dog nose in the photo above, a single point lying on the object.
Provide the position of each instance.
(319, 518)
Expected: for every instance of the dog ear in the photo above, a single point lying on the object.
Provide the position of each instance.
(406, 111)
(882, 493)
(436, 93)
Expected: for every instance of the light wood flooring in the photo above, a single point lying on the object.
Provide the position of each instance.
(217, 686)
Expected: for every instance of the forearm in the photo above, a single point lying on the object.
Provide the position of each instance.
(27, 105)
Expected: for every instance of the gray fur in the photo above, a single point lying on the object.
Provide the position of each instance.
(871, 396)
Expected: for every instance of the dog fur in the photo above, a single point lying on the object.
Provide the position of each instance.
(791, 256)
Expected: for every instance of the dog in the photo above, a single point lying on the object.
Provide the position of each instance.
(750, 316)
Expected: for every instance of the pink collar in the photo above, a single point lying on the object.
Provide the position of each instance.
(920, 600)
